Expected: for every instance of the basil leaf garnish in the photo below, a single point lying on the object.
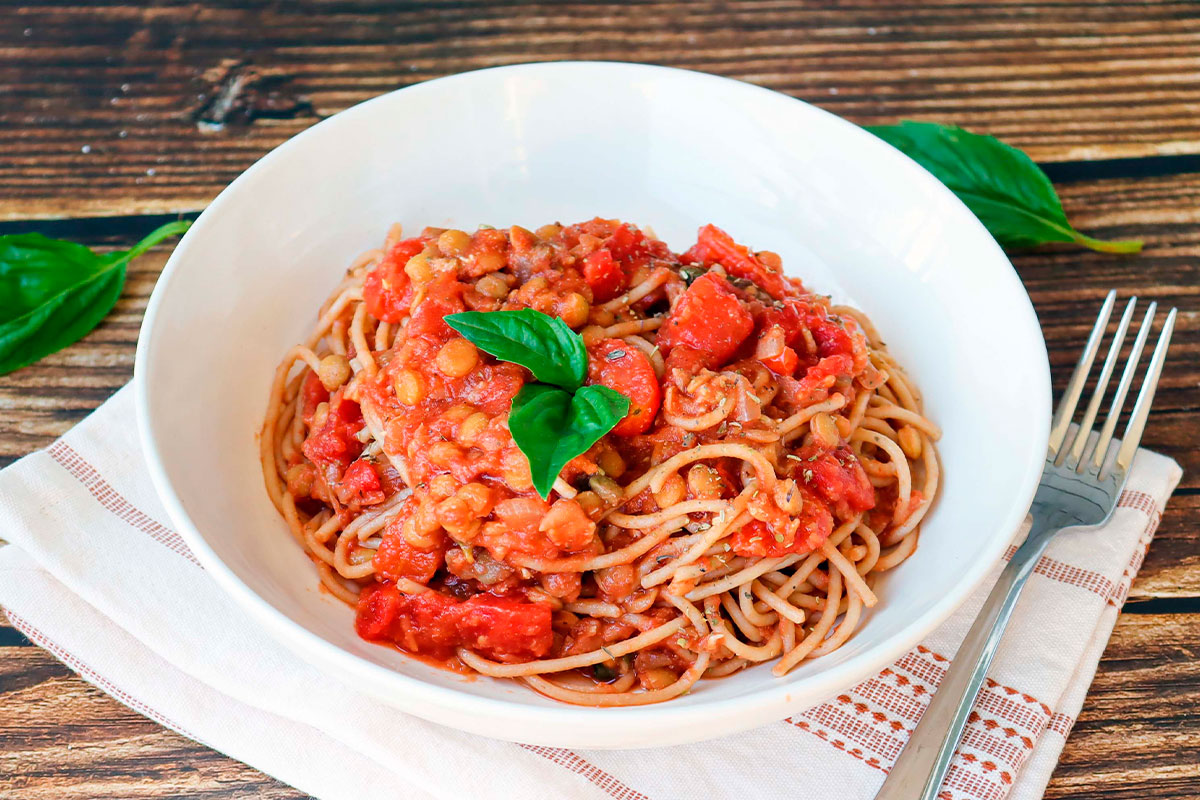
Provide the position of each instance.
(553, 426)
(544, 345)
(53, 292)
(1001, 185)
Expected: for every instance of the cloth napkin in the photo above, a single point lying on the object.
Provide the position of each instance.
(95, 575)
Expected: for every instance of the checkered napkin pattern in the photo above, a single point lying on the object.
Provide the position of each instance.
(94, 573)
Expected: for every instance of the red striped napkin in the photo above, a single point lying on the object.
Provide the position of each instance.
(95, 575)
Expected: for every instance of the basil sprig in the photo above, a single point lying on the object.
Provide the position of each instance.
(552, 425)
(1001, 185)
(53, 292)
(558, 419)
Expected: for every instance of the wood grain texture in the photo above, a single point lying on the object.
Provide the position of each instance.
(110, 108)
(66, 740)
(115, 108)
(1136, 737)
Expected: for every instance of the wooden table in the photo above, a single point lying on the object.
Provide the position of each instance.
(116, 117)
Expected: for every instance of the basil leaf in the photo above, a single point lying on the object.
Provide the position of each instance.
(544, 345)
(1001, 185)
(53, 292)
(552, 426)
(34, 267)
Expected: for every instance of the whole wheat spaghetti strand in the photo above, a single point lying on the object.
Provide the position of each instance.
(656, 476)
(639, 642)
(892, 411)
(745, 599)
(897, 554)
(795, 421)
(370, 522)
(818, 632)
(594, 608)
(844, 630)
(701, 422)
(859, 410)
(350, 295)
(717, 531)
(928, 491)
(693, 614)
(805, 570)
(781, 606)
(342, 563)
(650, 351)
(898, 461)
(358, 335)
(643, 521)
(750, 652)
(748, 629)
(865, 564)
(744, 576)
(383, 336)
(623, 329)
(331, 581)
(685, 682)
(655, 280)
(724, 668)
(625, 555)
(853, 580)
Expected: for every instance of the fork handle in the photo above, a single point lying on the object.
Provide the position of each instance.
(922, 765)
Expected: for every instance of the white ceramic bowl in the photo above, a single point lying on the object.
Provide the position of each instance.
(568, 141)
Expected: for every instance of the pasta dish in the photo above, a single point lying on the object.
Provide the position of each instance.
(575, 458)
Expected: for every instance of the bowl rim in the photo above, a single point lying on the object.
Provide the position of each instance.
(771, 696)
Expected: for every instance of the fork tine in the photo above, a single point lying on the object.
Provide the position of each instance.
(1118, 401)
(1093, 408)
(1141, 409)
(1070, 398)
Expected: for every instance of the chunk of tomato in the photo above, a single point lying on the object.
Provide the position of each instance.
(820, 378)
(378, 608)
(505, 629)
(426, 623)
(782, 363)
(715, 246)
(361, 484)
(757, 539)
(335, 443)
(386, 288)
(312, 394)
(396, 558)
(633, 248)
(443, 295)
(837, 476)
(433, 624)
(708, 318)
(625, 369)
(603, 275)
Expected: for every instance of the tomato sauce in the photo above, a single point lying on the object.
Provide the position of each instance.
(439, 408)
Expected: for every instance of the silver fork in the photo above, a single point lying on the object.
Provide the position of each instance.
(1080, 486)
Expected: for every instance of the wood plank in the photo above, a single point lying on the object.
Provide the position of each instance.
(1172, 567)
(66, 740)
(1136, 737)
(115, 109)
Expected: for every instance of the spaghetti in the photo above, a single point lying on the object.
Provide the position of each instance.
(774, 462)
